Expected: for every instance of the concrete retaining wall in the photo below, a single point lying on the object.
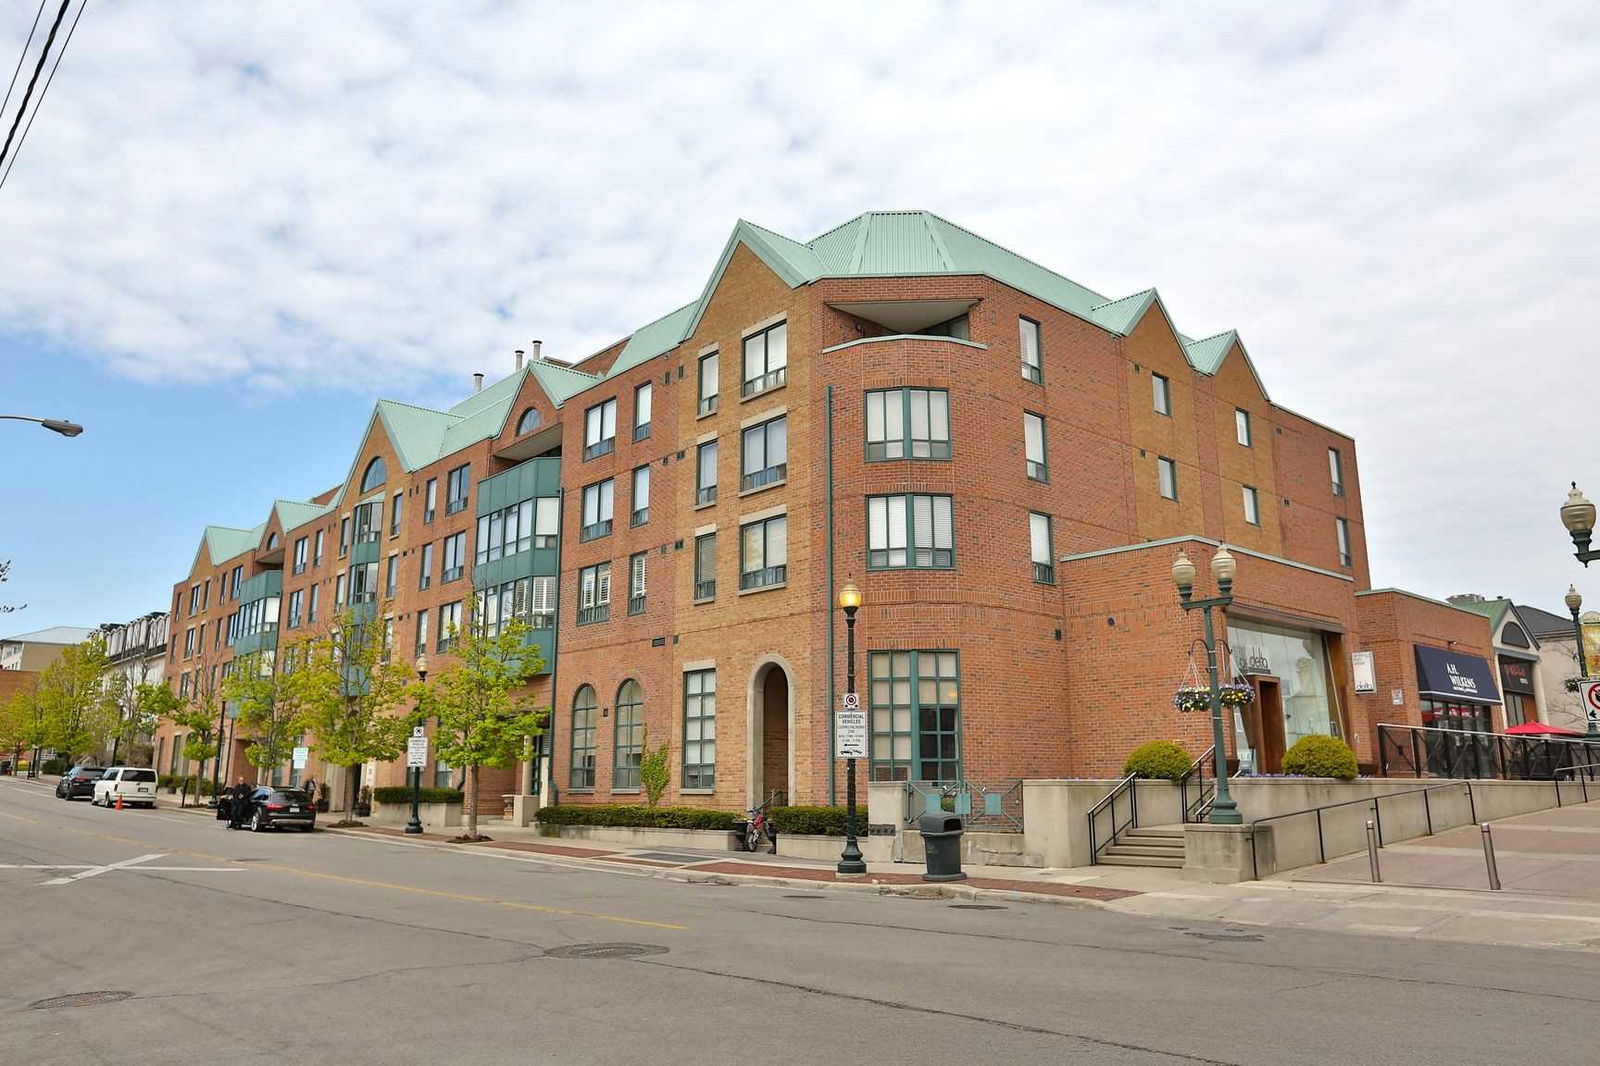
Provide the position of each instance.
(434, 816)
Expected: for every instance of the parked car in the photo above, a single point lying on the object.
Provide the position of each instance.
(78, 782)
(135, 784)
(280, 808)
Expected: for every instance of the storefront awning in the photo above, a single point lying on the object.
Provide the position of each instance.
(1454, 676)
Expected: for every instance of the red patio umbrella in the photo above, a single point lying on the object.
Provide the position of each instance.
(1542, 729)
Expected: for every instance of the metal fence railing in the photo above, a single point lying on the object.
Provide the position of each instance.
(996, 806)
(1426, 751)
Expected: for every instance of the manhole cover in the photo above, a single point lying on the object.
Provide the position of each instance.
(605, 951)
(1225, 936)
(976, 907)
(80, 999)
(803, 895)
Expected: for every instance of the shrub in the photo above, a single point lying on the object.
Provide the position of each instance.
(402, 794)
(635, 816)
(816, 821)
(654, 771)
(1161, 759)
(52, 766)
(1320, 756)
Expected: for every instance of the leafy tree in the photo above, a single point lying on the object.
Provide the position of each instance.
(21, 722)
(201, 714)
(267, 708)
(79, 715)
(140, 708)
(5, 575)
(479, 722)
(350, 691)
(654, 770)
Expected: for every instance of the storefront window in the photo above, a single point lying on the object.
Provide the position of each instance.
(1296, 660)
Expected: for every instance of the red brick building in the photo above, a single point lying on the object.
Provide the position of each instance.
(1004, 461)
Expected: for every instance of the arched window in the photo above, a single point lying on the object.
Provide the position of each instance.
(628, 746)
(583, 717)
(376, 475)
(529, 421)
(272, 541)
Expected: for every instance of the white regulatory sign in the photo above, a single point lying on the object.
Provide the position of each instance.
(1591, 700)
(301, 757)
(416, 753)
(419, 730)
(852, 701)
(850, 734)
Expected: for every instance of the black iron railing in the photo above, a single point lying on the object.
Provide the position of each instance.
(1376, 803)
(1427, 751)
(1195, 793)
(1125, 795)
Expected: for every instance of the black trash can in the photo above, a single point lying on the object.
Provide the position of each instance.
(941, 840)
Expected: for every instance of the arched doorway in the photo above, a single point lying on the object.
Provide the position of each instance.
(770, 725)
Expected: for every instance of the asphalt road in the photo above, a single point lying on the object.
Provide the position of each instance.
(242, 948)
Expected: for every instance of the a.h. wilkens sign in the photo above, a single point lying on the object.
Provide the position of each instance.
(1449, 675)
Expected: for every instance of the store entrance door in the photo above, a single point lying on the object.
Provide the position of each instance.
(1267, 712)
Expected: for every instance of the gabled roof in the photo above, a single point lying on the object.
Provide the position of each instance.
(53, 635)
(1544, 625)
(415, 432)
(292, 513)
(560, 383)
(224, 542)
(1493, 610)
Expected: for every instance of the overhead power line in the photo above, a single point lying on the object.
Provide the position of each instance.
(34, 80)
(12, 161)
(25, 46)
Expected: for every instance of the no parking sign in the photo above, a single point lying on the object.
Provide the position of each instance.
(1591, 700)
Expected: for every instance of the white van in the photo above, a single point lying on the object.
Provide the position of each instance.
(135, 784)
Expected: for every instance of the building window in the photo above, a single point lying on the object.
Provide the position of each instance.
(641, 411)
(368, 517)
(910, 531)
(443, 775)
(422, 632)
(316, 555)
(339, 584)
(766, 360)
(708, 385)
(1342, 526)
(1033, 444)
(458, 487)
(640, 497)
(764, 553)
(1040, 544)
(627, 746)
(1161, 394)
(344, 536)
(301, 547)
(542, 603)
(455, 557)
(425, 567)
(600, 429)
(700, 729)
(364, 583)
(598, 500)
(546, 521)
(1336, 470)
(388, 638)
(705, 474)
(430, 499)
(705, 567)
(594, 594)
(529, 421)
(391, 576)
(395, 507)
(957, 327)
(188, 643)
(916, 716)
(583, 731)
(1241, 426)
(908, 423)
(1032, 365)
(506, 532)
(636, 582)
(449, 625)
(296, 601)
(765, 454)
(1167, 473)
(311, 603)
(376, 475)
(1252, 506)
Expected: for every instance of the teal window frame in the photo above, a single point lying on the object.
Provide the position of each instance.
(376, 473)
(582, 768)
(911, 547)
(627, 742)
(936, 449)
(906, 714)
(699, 770)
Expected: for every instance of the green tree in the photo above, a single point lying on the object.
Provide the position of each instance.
(200, 713)
(352, 694)
(654, 770)
(21, 723)
(473, 698)
(79, 714)
(266, 709)
(140, 708)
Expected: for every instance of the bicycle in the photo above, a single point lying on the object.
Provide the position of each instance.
(759, 825)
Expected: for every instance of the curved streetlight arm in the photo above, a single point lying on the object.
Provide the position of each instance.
(55, 425)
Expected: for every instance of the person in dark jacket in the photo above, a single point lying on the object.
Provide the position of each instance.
(238, 803)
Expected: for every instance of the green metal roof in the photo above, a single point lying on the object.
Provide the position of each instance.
(224, 542)
(1493, 610)
(560, 383)
(1207, 355)
(1120, 316)
(292, 513)
(415, 432)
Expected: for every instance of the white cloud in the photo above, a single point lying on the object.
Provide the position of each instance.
(1394, 204)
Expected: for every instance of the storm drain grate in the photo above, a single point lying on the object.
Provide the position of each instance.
(1225, 936)
(79, 999)
(976, 907)
(604, 951)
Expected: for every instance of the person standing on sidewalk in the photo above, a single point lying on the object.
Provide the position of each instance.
(237, 803)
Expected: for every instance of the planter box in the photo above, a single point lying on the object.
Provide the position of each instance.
(434, 816)
(640, 837)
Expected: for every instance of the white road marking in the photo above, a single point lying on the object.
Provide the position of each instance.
(45, 866)
(96, 871)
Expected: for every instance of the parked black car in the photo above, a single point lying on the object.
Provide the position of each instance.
(78, 782)
(280, 808)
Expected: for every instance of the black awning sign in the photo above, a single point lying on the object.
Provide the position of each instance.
(1446, 675)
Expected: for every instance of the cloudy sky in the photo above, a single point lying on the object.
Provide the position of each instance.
(233, 224)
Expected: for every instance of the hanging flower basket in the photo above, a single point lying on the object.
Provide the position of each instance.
(1197, 698)
(1238, 695)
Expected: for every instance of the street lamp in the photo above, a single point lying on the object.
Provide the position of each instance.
(1577, 514)
(54, 425)
(850, 860)
(1223, 569)
(414, 826)
(1575, 604)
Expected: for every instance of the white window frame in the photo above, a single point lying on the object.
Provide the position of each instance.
(1161, 394)
(1242, 429)
(1167, 477)
(1252, 505)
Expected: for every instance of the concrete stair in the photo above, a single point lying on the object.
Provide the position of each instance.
(1152, 846)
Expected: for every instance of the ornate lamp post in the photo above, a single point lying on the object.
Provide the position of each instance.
(1575, 604)
(414, 826)
(1223, 568)
(1577, 514)
(54, 425)
(850, 860)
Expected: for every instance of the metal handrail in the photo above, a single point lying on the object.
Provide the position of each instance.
(1377, 816)
(1197, 769)
(1125, 785)
(1583, 781)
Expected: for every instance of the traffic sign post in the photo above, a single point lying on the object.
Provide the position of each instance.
(301, 757)
(416, 759)
(417, 752)
(1590, 691)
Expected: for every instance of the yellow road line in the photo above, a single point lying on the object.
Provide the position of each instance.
(363, 882)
